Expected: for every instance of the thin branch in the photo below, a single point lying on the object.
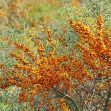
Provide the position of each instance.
(67, 97)
(107, 101)
(93, 90)
(82, 100)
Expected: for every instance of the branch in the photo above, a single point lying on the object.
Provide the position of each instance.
(93, 90)
(107, 101)
(82, 100)
(60, 94)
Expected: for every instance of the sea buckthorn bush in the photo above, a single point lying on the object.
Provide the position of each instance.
(59, 64)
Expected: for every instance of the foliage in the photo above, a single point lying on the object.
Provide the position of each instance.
(66, 66)
(20, 14)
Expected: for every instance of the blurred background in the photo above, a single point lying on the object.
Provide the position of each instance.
(22, 13)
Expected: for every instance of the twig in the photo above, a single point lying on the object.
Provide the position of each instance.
(107, 101)
(94, 88)
(82, 100)
(67, 97)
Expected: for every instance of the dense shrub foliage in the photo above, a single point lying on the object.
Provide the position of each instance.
(55, 55)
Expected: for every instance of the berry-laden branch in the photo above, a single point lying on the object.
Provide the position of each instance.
(39, 74)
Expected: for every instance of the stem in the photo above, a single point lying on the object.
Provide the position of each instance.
(93, 91)
(60, 94)
(73, 102)
(82, 100)
(107, 101)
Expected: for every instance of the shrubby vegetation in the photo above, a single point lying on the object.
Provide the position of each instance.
(55, 56)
